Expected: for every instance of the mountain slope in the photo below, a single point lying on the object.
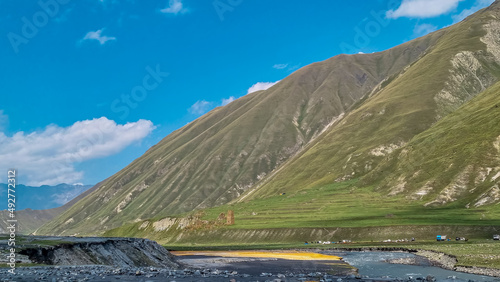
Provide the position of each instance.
(28, 220)
(469, 137)
(329, 122)
(216, 158)
(457, 160)
(464, 62)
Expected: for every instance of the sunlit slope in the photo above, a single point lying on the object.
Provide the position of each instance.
(344, 118)
(221, 155)
(466, 140)
(463, 63)
(455, 161)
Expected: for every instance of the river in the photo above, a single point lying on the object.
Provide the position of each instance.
(373, 264)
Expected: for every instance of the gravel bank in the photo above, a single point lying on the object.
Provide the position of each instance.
(450, 262)
(436, 258)
(108, 273)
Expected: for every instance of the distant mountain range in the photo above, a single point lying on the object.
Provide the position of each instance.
(418, 123)
(43, 197)
(30, 219)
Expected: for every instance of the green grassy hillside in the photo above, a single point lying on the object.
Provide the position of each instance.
(456, 161)
(375, 206)
(354, 210)
(468, 137)
(333, 212)
(347, 118)
(221, 155)
(29, 220)
(456, 69)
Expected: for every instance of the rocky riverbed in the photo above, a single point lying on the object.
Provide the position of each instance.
(106, 273)
(450, 262)
(438, 259)
(125, 259)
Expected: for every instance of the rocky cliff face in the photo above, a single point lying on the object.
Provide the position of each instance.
(119, 252)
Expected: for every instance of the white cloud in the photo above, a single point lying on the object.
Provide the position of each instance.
(280, 66)
(423, 29)
(200, 107)
(175, 7)
(96, 35)
(423, 8)
(4, 121)
(227, 101)
(480, 4)
(48, 157)
(261, 86)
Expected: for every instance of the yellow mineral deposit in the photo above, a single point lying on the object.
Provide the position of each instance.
(288, 255)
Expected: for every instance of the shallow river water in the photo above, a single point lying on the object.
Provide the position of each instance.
(284, 266)
(373, 264)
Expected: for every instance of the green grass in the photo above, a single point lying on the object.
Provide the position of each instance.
(24, 240)
(48, 242)
(331, 212)
(346, 205)
(441, 154)
(472, 254)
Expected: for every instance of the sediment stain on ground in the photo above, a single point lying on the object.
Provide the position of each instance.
(288, 255)
(261, 262)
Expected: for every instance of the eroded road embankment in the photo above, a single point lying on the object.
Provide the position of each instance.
(125, 259)
(120, 252)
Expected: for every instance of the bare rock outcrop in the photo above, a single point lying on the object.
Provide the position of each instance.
(120, 252)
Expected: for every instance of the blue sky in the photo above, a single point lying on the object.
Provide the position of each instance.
(88, 86)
